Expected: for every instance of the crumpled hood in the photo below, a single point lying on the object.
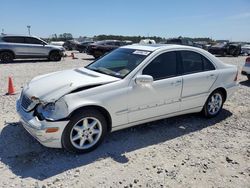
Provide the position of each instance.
(51, 87)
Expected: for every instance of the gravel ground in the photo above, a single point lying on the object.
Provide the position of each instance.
(185, 151)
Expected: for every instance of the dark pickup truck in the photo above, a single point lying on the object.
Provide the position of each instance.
(224, 49)
(100, 48)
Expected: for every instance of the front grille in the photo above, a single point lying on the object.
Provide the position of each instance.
(25, 101)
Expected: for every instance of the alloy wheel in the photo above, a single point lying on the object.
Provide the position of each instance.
(215, 103)
(86, 133)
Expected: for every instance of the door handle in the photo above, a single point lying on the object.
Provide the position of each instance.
(211, 76)
(176, 83)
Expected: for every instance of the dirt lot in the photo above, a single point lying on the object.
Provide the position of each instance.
(185, 151)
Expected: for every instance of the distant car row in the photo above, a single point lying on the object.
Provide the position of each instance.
(16, 47)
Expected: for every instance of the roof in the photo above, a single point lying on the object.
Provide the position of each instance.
(153, 47)
(10, 35)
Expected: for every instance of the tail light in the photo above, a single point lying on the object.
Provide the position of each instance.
(236, 76)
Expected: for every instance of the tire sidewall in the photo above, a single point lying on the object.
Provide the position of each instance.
(11, 57)
(66, 143)
(205, 108)
(55, 56)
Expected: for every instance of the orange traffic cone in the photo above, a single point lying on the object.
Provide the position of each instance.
(11, 89)
(73, 56)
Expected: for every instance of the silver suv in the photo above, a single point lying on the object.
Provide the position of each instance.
(20, 47)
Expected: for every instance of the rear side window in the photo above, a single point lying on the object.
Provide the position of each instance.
(31, 40)
(163, 66)
(14, 39)
(192, 62)
(207, 64)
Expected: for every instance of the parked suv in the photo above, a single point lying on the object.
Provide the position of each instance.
(20, 47)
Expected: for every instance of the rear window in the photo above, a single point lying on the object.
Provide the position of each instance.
(14, 39)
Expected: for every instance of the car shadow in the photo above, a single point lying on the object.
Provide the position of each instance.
(245, 83)
(19, 61)
(89, 59)
(25, 157)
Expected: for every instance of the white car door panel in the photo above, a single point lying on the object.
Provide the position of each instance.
(196, 88)
(162, 97)
(199, 76)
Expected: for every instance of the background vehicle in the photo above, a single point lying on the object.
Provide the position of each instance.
(180, 41)
(57, 43)
(98, 49)
(71, 44)
(20, 47)
(82, 46)
(129, 86)
(184, 41)
(224, 49)
(245, 49)
(147, 41)
(246, 68)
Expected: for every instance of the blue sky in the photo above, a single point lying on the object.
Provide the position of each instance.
(219, 19)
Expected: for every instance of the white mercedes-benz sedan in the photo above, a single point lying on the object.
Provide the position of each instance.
(75, 109)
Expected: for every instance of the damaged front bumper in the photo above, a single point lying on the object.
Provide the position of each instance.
(39, 129)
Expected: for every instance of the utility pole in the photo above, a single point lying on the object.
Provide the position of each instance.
(28, 26)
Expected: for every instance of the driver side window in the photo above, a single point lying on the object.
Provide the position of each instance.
(163, 66)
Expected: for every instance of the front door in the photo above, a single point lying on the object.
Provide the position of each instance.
(160, 98)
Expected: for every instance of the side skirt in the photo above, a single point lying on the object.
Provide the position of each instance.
(192, 110)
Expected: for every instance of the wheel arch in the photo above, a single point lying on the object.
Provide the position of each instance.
(54, 50)
(102, 110)
(8, 50)
(223, 90)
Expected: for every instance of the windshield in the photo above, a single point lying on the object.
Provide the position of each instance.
(120, 62)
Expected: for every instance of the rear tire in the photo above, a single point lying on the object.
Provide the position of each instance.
(6, 57)
(85, 131)
(55, 56)
(213, 104)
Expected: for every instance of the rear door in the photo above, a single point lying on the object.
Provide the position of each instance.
(199, 75)
(16, 44)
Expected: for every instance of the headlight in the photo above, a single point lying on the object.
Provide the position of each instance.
(53, 111)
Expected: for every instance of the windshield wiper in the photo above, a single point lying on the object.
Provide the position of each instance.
(97, 70)
(102, 71)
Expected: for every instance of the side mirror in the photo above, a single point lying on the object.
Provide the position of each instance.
(144, 80)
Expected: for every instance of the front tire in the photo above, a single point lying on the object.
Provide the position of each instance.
(213, 104)
(55, 56)
(85, 131)
(6, 57)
